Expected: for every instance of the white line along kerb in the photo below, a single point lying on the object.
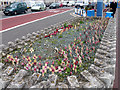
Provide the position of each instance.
(33, 21)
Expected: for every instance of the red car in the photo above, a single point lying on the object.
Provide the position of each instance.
(60, 5)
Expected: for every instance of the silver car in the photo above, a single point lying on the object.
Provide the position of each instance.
(38, 7)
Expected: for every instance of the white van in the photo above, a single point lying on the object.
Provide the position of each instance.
(29, 3)
(71, 3)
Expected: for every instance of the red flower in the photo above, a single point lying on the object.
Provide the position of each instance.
(76, 62)
(35, 63)
(61, 27)
(71, 65)
(53, 62)
(56, 29)
(75, 58)
(68, 61)
(56, 67)
(65, 47)
(39, 57)
(53, 70)
(40, 64)
(34, 69)
(6, 60)
(83, 56)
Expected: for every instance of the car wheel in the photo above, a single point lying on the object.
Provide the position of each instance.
(15, 13)
(25, 11)
(6, 14)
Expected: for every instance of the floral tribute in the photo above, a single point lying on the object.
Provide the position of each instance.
(66, 51)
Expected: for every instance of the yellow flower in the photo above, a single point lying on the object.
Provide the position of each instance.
(8, 56)
(52, 66)
(35, 60)
(73, 60)
(34, 57)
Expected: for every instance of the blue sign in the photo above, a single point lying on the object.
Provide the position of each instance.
(99, 8)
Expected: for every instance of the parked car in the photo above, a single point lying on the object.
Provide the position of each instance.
(15, 8)
(79, 3)
(29, 3)
(65, 3)
(38, 7)
(71, 3)
(60, 4)
(54, 5)
(48, 4)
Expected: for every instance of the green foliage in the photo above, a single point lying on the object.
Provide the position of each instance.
(65, 25)
(60, 36)
(81, 22)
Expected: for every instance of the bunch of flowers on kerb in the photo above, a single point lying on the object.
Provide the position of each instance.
(66, 51)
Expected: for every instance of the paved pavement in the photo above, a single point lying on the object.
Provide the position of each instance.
(11, 35)
(117, 72)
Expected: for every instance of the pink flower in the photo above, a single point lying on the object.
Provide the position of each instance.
(68, 61)
(75, 58)
(80, 34)
(71, 65)
(64, 68)
(56, 67)
(34, 69)
(67, 65)
(27, 57)
(47, 63)
(40, 64)
(6, 60)
(45, 67)
(22, 64)
(61, 27)
(53, 70)
(35, 63)
(28, 60)
(70, 73)
(60, 71)
(29, 65)
(83, 56)
(65, 47)
(75, 67)
(39, 57)
(11, 59)
(26, 68)
(37, 68)
(86, 52)
(43, 71)
(53, 62)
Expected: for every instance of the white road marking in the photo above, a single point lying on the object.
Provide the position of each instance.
(34, 21)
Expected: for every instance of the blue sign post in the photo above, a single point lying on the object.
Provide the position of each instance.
(99, 8)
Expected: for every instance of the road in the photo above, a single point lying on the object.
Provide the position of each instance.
(18, 32)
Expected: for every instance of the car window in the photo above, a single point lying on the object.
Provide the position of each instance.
(19, 5)
(13, 5)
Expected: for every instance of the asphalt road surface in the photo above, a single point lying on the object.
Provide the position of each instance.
(12, 34)
(28, 12)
